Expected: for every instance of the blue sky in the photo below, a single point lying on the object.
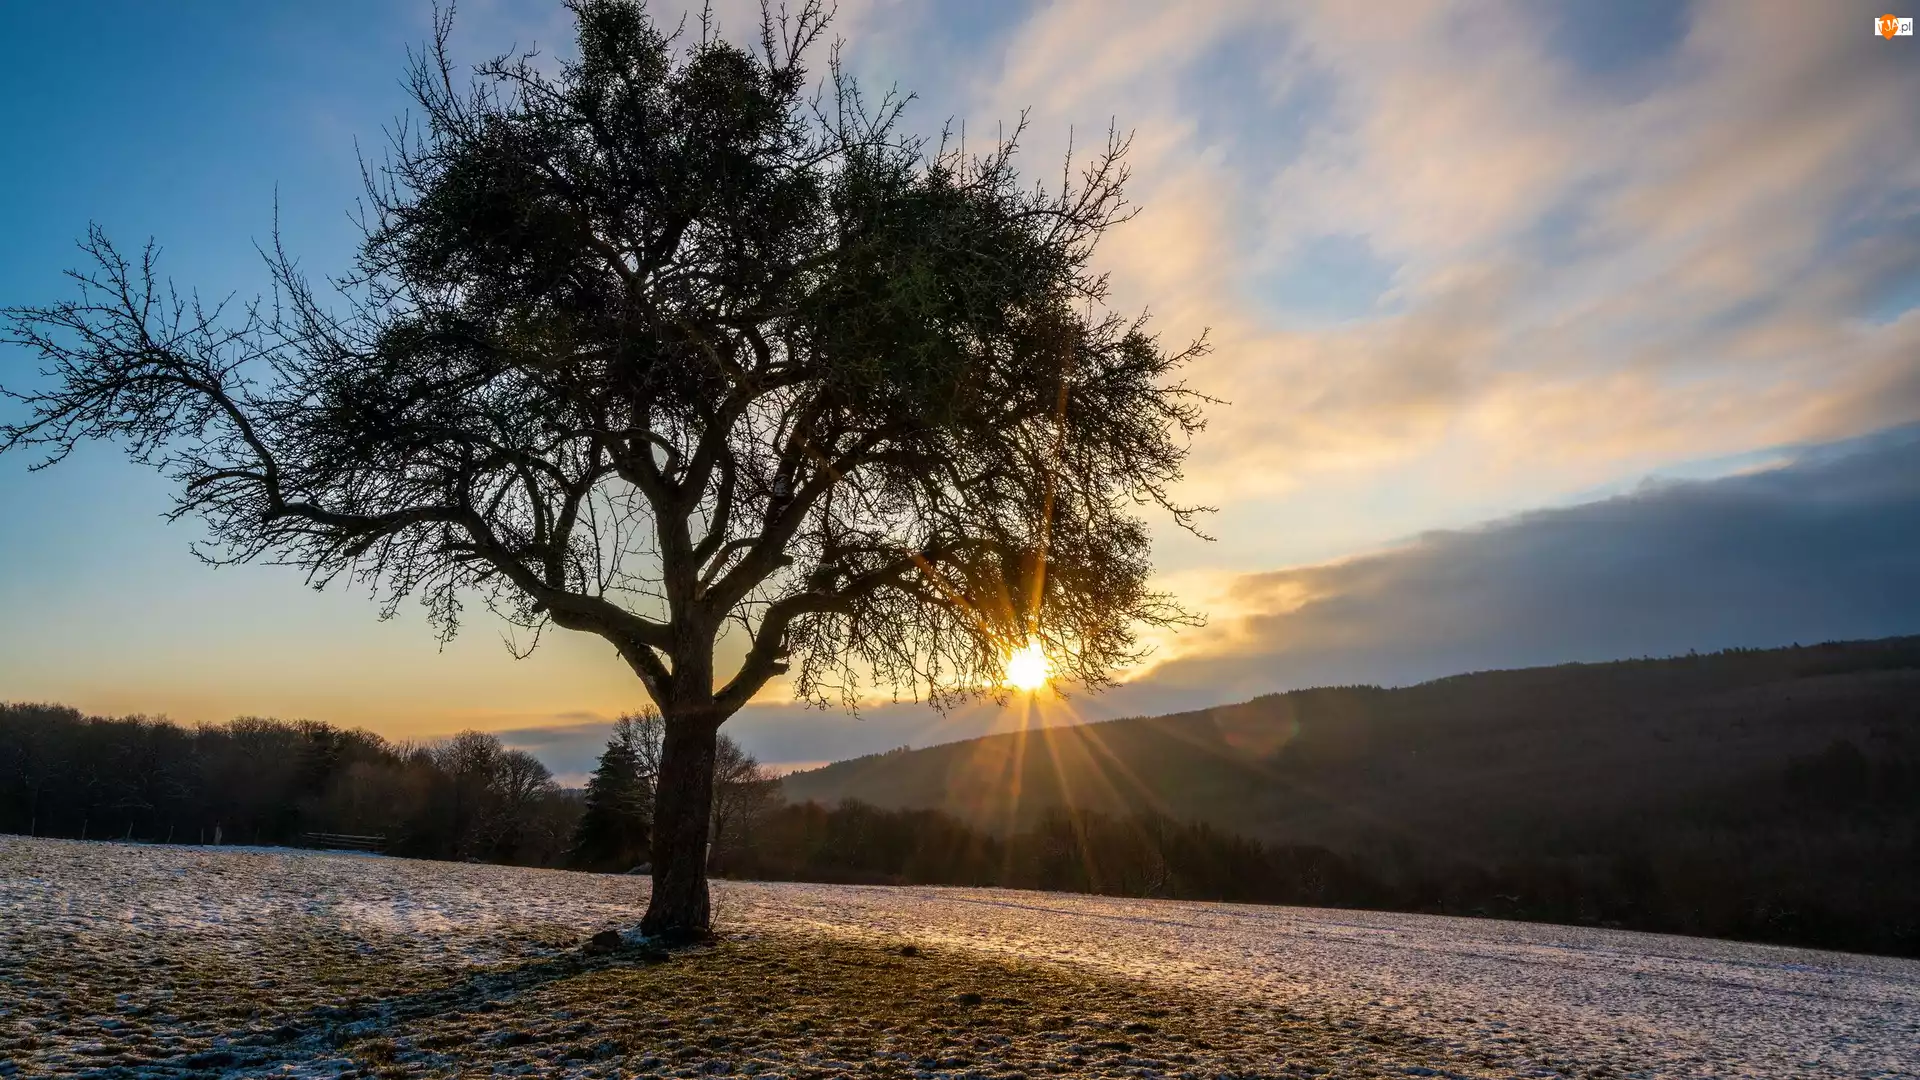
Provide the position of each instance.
(1464, 264)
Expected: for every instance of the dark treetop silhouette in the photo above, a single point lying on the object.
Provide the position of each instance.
(667, 348)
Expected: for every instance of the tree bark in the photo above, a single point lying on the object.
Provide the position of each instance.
(682, 811)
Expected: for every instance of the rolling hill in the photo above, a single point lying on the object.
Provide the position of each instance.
(1494, 765)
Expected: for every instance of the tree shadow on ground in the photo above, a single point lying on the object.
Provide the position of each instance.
(329, 1031)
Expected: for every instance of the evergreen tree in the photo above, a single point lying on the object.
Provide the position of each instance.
(613, 829)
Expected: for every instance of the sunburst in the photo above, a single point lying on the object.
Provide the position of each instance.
(1027, 668)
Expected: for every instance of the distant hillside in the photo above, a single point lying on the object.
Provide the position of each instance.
(1493, 765)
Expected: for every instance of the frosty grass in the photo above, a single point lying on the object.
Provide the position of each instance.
(151, 961)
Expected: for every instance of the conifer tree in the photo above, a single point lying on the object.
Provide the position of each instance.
(613, 829)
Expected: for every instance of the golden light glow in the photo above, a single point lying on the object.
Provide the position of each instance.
(1027, 668)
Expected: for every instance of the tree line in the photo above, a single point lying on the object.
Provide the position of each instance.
(1747, 867)
(264, 781)
(277, 782)
(1826, 856)
(1066, 850)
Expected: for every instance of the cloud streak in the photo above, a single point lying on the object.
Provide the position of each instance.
(1819, 549)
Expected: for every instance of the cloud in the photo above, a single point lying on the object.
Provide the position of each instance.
(1818, 549)
(1594, 240)
(570, 750)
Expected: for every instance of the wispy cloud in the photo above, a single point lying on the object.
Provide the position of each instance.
(1588, 243)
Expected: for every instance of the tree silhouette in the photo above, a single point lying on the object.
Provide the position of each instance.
(612, 831)
(669, 348)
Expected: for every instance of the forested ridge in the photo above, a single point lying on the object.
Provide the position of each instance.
(1488, 764)
(1763, 794)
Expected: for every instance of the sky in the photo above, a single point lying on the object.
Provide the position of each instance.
(1545, 332)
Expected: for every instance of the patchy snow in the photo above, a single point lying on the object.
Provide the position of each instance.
(1523, 999)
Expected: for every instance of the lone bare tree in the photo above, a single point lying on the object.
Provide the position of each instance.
(669, 348)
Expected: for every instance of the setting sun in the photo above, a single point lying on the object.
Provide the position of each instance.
(1027, 668)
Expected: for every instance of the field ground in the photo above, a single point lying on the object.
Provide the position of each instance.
(148, 961)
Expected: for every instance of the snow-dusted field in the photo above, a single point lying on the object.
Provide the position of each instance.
(1557, 998)
(80, 922)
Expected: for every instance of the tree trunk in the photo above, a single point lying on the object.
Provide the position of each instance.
(682, 810)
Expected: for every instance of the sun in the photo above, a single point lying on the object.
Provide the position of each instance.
(1027, 668)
